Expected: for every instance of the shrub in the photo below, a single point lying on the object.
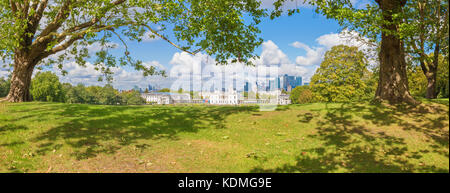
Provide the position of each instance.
(306, 96)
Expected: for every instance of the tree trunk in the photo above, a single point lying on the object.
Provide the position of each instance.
(21, 80)
(393, 81)
(431, 86)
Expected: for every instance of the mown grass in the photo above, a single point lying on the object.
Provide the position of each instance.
(56, 137)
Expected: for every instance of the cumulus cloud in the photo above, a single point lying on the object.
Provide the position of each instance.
(350, 38)
(92, 49)
(155, 64)
(314, 56)
(123, 78)
(272, 55)
(203, 72)
(345, 38)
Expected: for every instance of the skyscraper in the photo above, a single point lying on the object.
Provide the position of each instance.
(274, 84)
(298, 81)
(246, 87)
(290, 82)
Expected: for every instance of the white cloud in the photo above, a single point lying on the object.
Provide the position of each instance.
(272, 55)
(155, 64)
(345, 38)
(150, 37)
(92, 49)
(202, 69)
(122, 78)
(314, 56)
(350, 38)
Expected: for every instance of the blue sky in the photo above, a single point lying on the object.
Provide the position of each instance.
(304, 27)
(296, 44)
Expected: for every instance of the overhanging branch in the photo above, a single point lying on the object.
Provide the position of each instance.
(166, 39)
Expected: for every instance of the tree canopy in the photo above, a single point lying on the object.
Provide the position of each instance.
(426, 32)
(340, 77)
(383, 21)
(301, 95)
(4, 87)
(33, 30)
(45, 86)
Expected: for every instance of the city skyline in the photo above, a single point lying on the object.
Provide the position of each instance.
(270, 84)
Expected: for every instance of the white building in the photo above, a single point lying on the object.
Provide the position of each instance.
(230, 97)
(165, 98)
(221, 98)
(284, 99)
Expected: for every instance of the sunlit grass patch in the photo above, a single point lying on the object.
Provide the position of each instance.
(320, 137)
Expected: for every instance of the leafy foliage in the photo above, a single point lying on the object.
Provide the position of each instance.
(443, 78)
(4, 87)
(427, 38)
(132, 98)
(106, 95)
(45, 86)
(38, 29)
(76, 94)
(418, 81)
(164, 90)
(306, 96)
(340, 77)
(302, 95)
(426, 29)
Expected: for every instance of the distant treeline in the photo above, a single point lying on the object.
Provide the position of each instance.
(45, 86)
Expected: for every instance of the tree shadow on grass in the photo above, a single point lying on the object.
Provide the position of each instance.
(350, 145)
(11, 127)
(416, 118)
(92, 130)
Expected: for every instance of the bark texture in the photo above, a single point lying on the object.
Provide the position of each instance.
(393, 80)
(21, 79)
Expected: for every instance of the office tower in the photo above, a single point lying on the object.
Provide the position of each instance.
(298, 80)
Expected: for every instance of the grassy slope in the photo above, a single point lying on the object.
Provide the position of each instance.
(53, 137)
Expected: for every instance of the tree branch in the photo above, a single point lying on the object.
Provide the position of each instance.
(39, 12)
(164, 38)
(13, 6)
(26, 8)
(59, 18)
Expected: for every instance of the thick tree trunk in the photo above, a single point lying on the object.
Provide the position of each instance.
(393, 81)
(21, 80)
(431, 86)
(431, 73)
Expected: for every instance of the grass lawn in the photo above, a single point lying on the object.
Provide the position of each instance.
(56, 137)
